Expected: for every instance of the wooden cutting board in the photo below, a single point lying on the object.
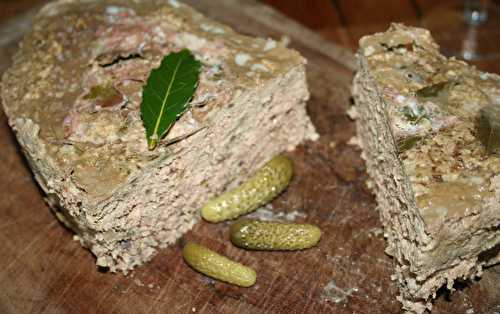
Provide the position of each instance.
(43, 270)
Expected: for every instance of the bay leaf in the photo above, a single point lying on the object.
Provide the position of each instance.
(167, 93)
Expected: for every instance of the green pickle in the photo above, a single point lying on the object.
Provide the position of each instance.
(267, 183)
(488, 128)
(263, 235)
(217, 266)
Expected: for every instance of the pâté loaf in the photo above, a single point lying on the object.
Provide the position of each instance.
(429, 130)
(72, 97)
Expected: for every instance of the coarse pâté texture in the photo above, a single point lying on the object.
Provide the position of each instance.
(437, 183)
(72, 97)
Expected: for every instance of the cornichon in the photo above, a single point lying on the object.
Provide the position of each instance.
(262, 235)
(261, 188)
(217, 266)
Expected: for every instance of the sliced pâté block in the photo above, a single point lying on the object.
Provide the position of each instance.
(424, 124)
(73, 93)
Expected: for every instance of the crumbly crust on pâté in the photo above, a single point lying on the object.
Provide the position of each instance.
(439, 192)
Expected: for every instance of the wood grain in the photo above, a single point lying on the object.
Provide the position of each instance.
(43, 271)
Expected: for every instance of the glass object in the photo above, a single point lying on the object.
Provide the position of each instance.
(476, 11)
(466, 30)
